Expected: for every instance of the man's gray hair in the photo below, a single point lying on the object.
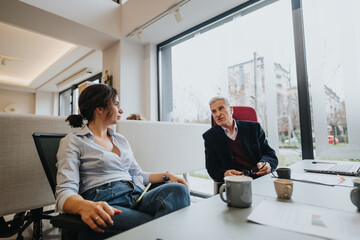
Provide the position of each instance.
(218, 98)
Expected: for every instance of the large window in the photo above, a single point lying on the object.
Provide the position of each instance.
(68, 99)
(249, 58)
(332, 36)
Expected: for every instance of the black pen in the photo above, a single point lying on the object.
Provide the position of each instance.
(316, 162)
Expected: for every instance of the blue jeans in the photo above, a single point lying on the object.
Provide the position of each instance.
(157, 202)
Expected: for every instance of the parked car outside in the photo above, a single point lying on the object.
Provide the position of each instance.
(331, 139)
(293, 140)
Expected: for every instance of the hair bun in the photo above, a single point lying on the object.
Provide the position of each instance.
(75, 120)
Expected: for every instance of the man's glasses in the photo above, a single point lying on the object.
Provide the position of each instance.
(254, 170)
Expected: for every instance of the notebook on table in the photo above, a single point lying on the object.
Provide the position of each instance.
(350, 169)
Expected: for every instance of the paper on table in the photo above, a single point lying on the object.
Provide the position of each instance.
(325, 179)
(307, 219)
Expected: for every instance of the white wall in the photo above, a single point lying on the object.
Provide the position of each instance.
(132, 87)
(56, 104)
(111, 64)
(24, 101)
(44, 103)
(133, 67)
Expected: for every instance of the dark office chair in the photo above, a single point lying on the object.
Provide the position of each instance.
(47, 145)
(21, 221)
(240, 113)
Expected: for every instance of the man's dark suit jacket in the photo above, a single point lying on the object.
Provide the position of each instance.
(218, 153)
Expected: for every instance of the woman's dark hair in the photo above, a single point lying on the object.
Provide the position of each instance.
(97, 95)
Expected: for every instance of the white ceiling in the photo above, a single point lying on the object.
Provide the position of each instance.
(46, 60)
(53, 48)
(36, 52)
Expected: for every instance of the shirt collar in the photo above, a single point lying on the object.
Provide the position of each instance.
(85, 131)
(234, 129)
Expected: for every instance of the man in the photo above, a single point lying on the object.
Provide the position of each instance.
(235, 147)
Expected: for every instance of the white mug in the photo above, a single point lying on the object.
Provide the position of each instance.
(238, 191)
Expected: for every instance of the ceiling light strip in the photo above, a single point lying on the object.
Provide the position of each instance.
(66, 69)
(74, 77)
(171, 9)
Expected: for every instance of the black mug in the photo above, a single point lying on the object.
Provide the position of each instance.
(284, 173)
(355, 197)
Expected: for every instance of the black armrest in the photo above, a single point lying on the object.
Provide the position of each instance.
(70, 222)
(217, 186)
(199, 194)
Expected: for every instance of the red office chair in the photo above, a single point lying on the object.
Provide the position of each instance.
(240, 113)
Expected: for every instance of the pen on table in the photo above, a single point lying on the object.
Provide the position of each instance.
(342, 178)
(316, 162)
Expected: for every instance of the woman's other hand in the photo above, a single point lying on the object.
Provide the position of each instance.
(176, 179)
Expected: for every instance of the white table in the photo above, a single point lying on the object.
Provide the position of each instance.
(336, 197)
(213, 219)
(209, 219)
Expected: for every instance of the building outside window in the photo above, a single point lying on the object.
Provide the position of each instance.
(332, 35)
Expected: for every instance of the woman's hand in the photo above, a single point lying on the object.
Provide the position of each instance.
(176, 179)
(98, 215)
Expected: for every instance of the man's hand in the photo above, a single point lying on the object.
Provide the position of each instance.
(264, 168)
(232, 172)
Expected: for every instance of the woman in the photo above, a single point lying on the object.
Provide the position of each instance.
(97, 171)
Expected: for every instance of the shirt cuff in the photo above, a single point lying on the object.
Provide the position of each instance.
(60, 200)
(146, 177)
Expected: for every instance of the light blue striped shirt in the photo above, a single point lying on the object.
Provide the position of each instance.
(83, 164)
(228, 133)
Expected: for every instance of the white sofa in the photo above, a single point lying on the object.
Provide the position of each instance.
(165, 146)
(23, 183)
(157, 146)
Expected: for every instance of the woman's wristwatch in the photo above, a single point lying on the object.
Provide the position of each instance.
(164, 177)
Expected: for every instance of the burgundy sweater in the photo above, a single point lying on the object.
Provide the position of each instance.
(240, 154)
